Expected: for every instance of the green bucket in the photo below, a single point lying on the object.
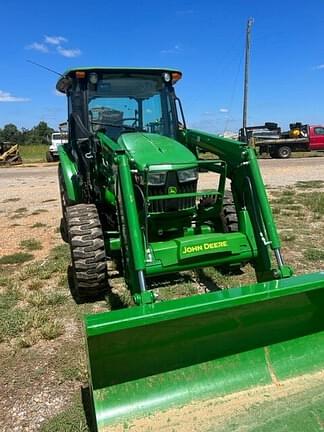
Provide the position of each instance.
(158, 356)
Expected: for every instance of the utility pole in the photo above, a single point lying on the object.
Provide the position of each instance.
(246, 71)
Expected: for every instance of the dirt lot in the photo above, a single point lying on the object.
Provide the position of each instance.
(41, 350)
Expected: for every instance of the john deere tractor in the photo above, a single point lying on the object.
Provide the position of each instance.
(129, 181)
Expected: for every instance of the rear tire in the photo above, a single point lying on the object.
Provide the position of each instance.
(284, 152)
(88, 256)
(229, 221)
(228, 214)
(63, 225)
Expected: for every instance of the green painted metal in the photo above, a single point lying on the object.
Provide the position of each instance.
(132, 240)
(152, 149)
(243, 170)
(199, 250)
(156, 356)
(69, 171)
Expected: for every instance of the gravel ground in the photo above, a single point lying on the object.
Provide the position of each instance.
(28, 196)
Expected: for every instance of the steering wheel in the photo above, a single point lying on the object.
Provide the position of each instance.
(130, 118)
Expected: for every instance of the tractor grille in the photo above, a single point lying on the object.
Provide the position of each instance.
(170, 205)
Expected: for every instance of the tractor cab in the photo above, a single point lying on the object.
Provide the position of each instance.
(120, 100)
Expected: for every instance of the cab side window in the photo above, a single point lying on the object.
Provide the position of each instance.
(319, 131)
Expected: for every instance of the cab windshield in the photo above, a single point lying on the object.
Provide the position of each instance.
(119, 104)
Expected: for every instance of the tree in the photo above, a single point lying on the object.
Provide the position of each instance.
(10, 132)
(39, 134)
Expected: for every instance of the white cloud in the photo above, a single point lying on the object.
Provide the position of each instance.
(66, 52)
(8, 97)
(51, 43)
(38, 47)
(55, 40)
(321, 66)
(223, 110)
(175, 50)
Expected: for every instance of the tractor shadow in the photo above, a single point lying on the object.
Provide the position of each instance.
(88, 408)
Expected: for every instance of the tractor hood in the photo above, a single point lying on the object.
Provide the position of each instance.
(152, 149)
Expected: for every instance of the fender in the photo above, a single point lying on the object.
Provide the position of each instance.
(70, 177)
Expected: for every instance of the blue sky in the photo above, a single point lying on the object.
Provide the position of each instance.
(205, 39)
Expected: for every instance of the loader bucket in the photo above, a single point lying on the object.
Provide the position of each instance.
(158, 356)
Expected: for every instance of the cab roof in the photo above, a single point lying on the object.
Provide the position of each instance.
(70, 73)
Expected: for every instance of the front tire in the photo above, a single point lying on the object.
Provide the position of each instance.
(88, 256)
(49, 157)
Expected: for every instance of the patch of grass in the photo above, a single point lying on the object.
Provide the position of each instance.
(18, 216)
(20, 210)
(311, 184)
(38, 298)
(31, 244)
(285, 200)
(11, 200)
(54, 299)
(313, 254)
(56, 262)
(314, 201)
(74, 372)
(51, 330)
(288, 237)
(33, 153)
(72, 419)
(276, 210)
(63, 281)
(12, 319)
(288, 192)
(38, 225)
(295, 207)
(38, 211)
(212, 278)
(35, 285)
(4, 281)
(16, 258)
(186, 289)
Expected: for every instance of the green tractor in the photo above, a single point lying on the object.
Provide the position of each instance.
(129, 186)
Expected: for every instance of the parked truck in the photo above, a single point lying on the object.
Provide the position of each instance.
(269, 139)
(57, 139)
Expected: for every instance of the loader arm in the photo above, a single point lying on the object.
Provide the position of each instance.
(249, 190)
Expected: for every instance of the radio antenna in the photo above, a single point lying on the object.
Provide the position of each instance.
(44, 67)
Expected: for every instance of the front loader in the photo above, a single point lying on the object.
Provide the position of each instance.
(9, 154)
(129, 186)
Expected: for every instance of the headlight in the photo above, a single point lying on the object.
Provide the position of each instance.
(156, 178)
(187, 175)
(166, 77)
